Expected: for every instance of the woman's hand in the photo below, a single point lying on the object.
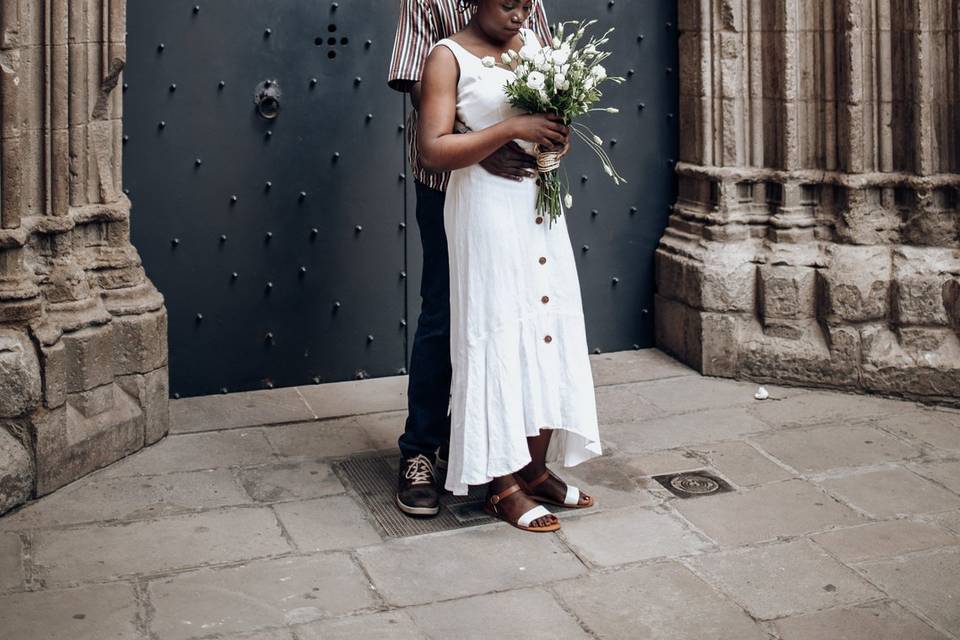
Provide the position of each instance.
(544, 129)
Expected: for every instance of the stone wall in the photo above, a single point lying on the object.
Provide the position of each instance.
(816, 235)
(83, 347)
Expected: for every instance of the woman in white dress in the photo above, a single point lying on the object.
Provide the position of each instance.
(522, 390)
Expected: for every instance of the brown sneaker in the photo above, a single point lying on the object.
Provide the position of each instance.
(417, 493)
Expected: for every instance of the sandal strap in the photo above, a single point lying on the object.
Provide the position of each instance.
(533, 514)
(539, 480)
(506, 493)
(572, 498)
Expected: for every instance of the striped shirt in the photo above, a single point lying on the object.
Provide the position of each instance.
(422, 24)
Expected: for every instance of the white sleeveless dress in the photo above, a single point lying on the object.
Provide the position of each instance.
(517, 336)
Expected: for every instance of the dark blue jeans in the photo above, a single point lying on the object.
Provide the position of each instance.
(428, 391)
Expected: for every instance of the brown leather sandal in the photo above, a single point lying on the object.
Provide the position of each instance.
(523, 523)
(570, 501)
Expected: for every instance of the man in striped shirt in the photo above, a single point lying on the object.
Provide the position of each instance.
(422, 23)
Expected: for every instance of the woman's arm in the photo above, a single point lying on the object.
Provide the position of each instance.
(442, 150)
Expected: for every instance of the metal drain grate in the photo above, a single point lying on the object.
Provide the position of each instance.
(374, 478)
(693, 484)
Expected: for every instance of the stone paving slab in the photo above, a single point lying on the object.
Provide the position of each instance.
(324, 439)
(612, 482)
(531, 614)
(356, 396)
(265, 593)
(388, 625)
(950, 520)
(770, 511)
(97, 612)
(925, 581)
(784, 579)
(245, 409)
(743, 464)
(824, 448)
(101, 552)
(891, 492)
(656, 602)
(937, 428)
(630, 535)
(671, 432)
(825, 407)
(465, 562)
(658, 463)
(636, 366)
(876, 621)
(290, 481)
(11, 567)
(194, 452)
(944, 472)
(111, 499)
(623, 403)
(702, 393)
(323, 524)
(883, 540)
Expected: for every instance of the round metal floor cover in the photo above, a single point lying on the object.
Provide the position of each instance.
(693, 484)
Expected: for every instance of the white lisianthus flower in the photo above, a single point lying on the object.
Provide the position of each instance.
(488, 62)
(513, 55)
(536, 80)
(506, 58)
(599, 72)
(556, 43)
(568, 201)
(589, 50)
(612, 110)
(561, 82)
(529, 51)
(540, 60)
(561, 55)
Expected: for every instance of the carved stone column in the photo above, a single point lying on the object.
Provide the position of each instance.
(816, 236)
(83, 347)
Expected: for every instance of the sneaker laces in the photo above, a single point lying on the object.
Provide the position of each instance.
(419, 470)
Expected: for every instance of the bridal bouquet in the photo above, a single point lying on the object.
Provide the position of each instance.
(564, 77)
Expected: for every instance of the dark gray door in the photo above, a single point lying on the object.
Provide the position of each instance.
(283, 244)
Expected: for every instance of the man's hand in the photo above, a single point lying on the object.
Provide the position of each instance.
(511, 162)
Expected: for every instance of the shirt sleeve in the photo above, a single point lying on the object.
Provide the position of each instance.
(539, 24)
(415, 36)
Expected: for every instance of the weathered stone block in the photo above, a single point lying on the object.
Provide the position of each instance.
(16, 471)
(920, 360)
(70, 445)
(54, 360)
(855, 287)
(93, 401)
(19, 374)
(140, 342)
(786, 292)
(89, 358)
(152, 392)
(920, 284)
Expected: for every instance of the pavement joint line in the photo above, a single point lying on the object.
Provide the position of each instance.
(283, 531)
(716, 589)
(377, 596)
(303, 399)
(905, 602)
(569, 611)
(911, 467)
(145, 610)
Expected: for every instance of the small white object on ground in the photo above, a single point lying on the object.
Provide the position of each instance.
(762, 393)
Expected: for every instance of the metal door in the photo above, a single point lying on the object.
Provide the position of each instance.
(281, 235)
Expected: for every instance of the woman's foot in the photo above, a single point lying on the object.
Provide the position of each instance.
(543, 485)
(507, 501)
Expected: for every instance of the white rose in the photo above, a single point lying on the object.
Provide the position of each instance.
(536, 80)
(488, 62)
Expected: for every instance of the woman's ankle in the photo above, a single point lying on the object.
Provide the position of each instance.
(532, 470)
